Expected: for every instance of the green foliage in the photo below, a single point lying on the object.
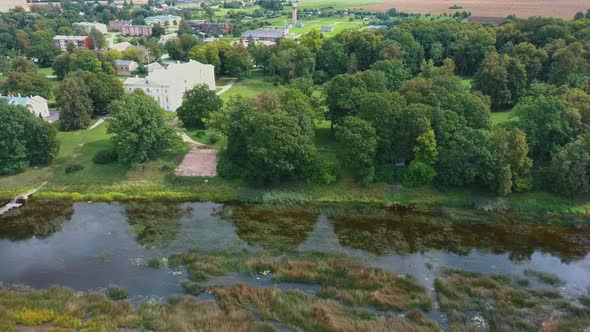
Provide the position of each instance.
(27, 84)
(570, 169)
(546, 123)
(103, 89)
(24, 140)
(116, 293)
(358, 142)
(492, 80)
(421, 170)
(80, 59)
(104, 157)
(73, 168)
(73, 98)
(139, 128)
(512, 164)
(265, 147)
(418, 174)
(292, 63)
(198, 103)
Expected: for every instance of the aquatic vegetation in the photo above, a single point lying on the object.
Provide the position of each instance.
(544, 277)
(340, 278)
(32, 317)
(156, 262)
(116, 293)
(472, 299)
(303, 311)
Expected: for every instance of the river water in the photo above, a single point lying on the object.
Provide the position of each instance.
(89, 247)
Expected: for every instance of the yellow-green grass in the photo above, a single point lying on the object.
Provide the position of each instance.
(504, 119)
(250, 87)
(47, 71)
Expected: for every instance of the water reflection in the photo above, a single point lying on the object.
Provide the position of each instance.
(154, 224)
(392, 232)
(39, 220)
(270, 227)
(91, 246)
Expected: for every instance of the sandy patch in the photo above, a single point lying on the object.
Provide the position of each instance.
(198, 162)
(501, 8)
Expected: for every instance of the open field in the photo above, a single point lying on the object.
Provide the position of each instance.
(7, 4)
(522, 8)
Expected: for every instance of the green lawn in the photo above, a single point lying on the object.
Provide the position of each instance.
(504, 119)
(48, 71)
(337, 4)
(249, 87)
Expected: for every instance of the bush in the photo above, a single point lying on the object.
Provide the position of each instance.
(73, 168)
(214, 137)
(31, 317)
(68, 321)
(418, 174)
(116, 293)
(103, 157)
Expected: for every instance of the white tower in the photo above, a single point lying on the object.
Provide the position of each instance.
(294, 13)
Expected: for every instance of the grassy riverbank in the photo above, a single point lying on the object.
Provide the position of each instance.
(155, 180)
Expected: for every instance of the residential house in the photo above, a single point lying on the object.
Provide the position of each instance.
(267, 34)
(136, 31)
(125, 67)
(118, 25)
(163, 20)
(62, 42)
(36, 104)
(86, 27)
(210, 28)
(121, 47)
(167, 86)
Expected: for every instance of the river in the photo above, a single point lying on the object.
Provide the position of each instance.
(91, 246)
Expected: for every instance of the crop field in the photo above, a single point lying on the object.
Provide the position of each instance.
(499, 8)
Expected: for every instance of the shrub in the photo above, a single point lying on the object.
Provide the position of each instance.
(418, 174)
(103, 157)
(192, 288)
(73, 168)
(214, 137)
(68, 321)
(32, 317)
(116, 293)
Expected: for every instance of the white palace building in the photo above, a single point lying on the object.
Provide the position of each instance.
(167, 85)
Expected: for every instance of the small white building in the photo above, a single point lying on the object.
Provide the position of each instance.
(167, 86)
(88, 26)
(37, 104)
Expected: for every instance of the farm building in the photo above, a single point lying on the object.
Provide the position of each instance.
(268, 34)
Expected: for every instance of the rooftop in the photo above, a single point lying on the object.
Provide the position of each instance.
(62, 37)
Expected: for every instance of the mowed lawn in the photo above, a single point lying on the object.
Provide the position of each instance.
(250, 87)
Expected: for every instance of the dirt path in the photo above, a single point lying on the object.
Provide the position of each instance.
(227, 87)
(200, 161)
